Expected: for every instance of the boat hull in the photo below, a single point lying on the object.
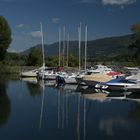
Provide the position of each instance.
(90, 82)
(66, 80)
(116, 86)
(28, 74)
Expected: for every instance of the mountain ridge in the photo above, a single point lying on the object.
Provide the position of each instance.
(109, 46)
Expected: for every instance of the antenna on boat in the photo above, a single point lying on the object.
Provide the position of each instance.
(79, 44)
(85, 48)
(59, 45)
(42, 39)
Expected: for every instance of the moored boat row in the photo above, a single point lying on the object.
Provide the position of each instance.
(105, 79)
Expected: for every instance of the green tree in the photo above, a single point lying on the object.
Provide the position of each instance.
(5, 37)
(52, 61)
(34, 58)
(73, 61)
(136, 36)
(136, 30)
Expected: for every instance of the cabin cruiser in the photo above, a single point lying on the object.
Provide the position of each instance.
(98, 69)
(132, 70)
(134, 77)
(120, 83)
(99, 73)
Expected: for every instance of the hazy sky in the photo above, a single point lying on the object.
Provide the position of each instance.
(104, 18)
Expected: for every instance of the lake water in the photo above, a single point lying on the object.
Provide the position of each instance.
(33, 111)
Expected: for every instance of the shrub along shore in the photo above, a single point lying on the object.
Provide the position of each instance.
(14, 69)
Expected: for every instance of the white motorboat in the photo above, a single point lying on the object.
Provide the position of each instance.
(119, 83)
(66, 78)
(134, 77)
(47, 74)
(99, 69)
(132, 70)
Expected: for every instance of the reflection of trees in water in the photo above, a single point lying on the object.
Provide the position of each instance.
(5, 105)
(34, 89)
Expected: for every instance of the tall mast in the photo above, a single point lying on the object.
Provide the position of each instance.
(64, 46)
(85, 48)
(79, 44)
(42, 39)
(68, 50)
(59, 45)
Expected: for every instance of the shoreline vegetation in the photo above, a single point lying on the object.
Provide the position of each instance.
(16, 70)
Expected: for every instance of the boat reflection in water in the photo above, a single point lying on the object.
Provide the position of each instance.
(67, 108)
(67, 112)
(87, 96)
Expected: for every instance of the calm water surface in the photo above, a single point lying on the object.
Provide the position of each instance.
(33, 111)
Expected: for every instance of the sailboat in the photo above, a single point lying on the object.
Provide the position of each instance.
(34, 73)
(70, 78)
(31, 73)
(50, 73)
(80, 76)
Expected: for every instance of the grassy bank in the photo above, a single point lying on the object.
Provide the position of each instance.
(14, 69)
(10, 69)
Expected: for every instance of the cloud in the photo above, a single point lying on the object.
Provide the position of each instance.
(55, 20)
(118, 2)
(13, 50)
(36, 34)
(20, 25)
(109, 125)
